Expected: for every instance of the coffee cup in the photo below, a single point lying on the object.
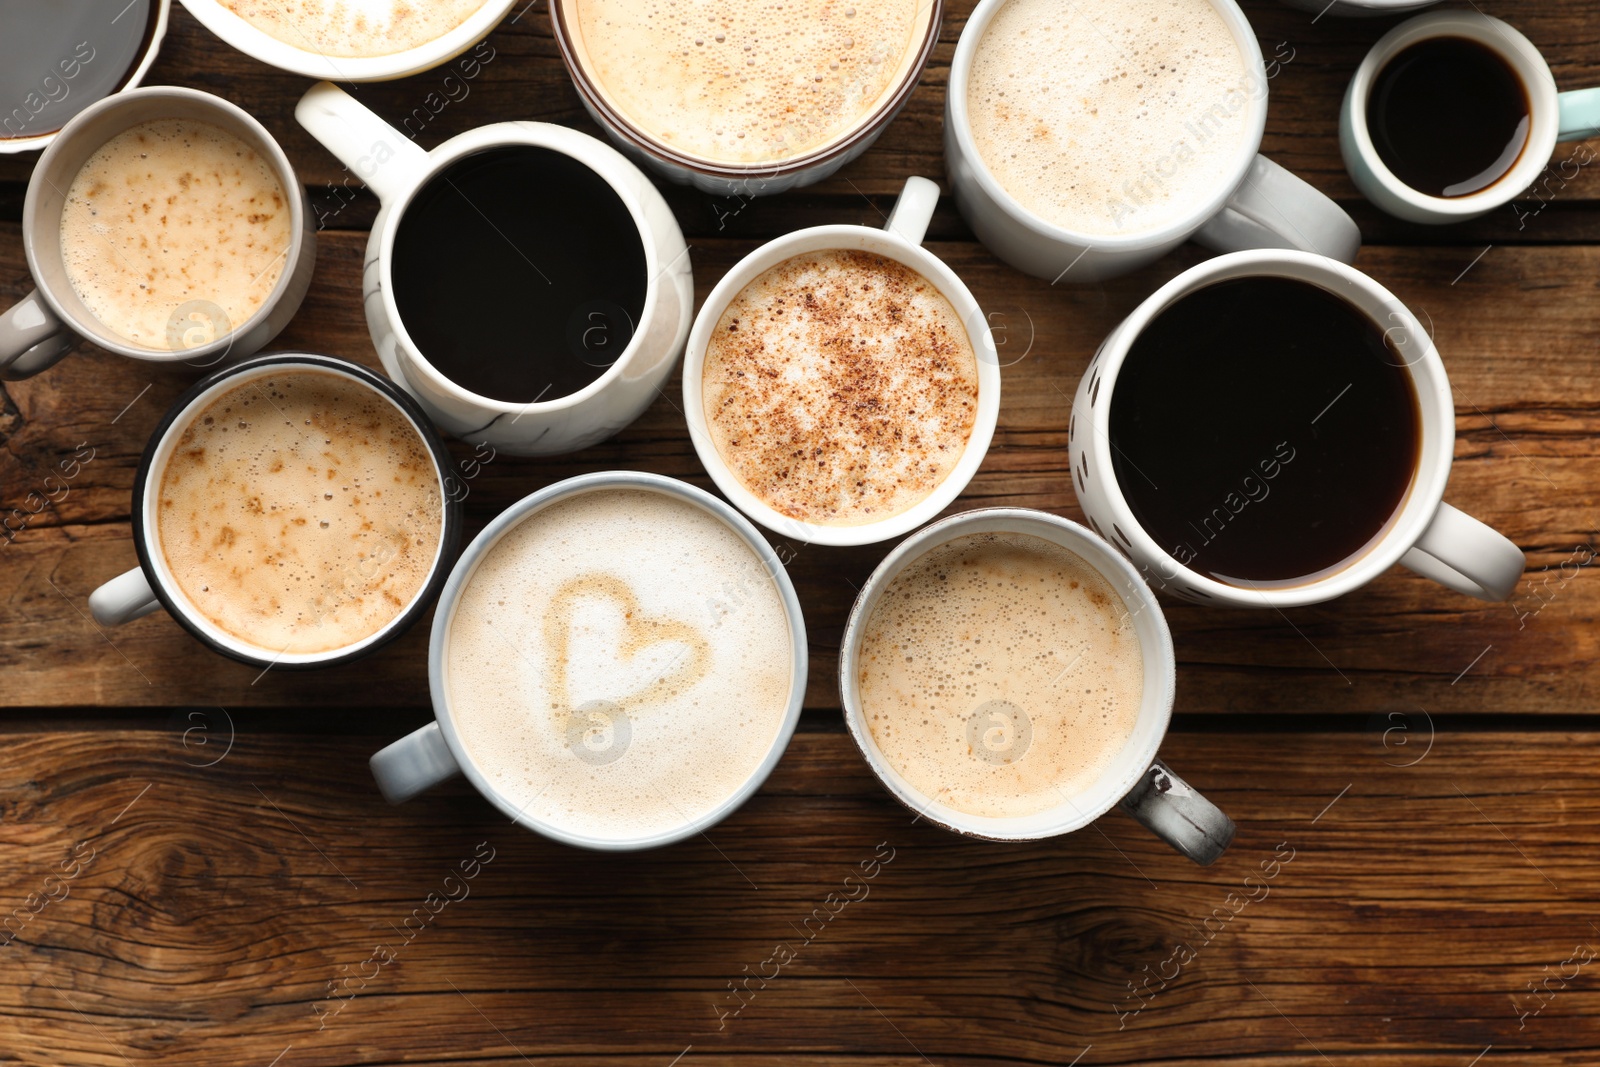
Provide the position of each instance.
(617, 662)
(257, 552)
(977, 729)
(454, 286)
(351, 42)
(1453, 114)
(931, 376)
(758, 101)
(1173, 157)
(57, 59)
(91, 285)
(1250, 463)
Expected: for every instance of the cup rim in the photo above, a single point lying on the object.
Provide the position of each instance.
(466, 566)
(90, 328)
(146, 538)
(663, 156)
(1099, 554)
(239, 33)
(959, 125)
(850, 238)
(1516, 51)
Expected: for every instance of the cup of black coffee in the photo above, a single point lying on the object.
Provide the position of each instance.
(1275, 428)
(1453, 114)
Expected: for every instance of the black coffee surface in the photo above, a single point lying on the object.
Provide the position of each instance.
(1262, 430)
(59, 56)
(519, 274)
(1448, 116)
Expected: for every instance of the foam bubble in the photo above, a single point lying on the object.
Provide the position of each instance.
(351, 29)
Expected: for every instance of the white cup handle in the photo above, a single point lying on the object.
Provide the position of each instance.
(377, 153)
(1580, 114)
(914, 210)
(1174, 811)
(414, 764)
(1273, 208)
(1458, 551)
(31, 338)
(124, 598)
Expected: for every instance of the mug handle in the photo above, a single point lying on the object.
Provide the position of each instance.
(1580, 114)
(124, 598)
(369, 147)
(414, 764)
(1458, 551)
(1174, 811)
(913, 210)
(31, 339)
(1273, 208)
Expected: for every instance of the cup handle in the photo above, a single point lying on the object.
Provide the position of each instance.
(913, 210)
(1174, 811)
(369, 147)
(31, 339)
(124, 598)
(1458, 551)
(1580, 114)
(1273, 208)
(414, 764)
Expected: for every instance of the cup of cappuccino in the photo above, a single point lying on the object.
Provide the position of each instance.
(617, 662)
(743, 99)
(1088, 139)
(841, 385)
(1009, 676)
(161, 224)
(293, 511)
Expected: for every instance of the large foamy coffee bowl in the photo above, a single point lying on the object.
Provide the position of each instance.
(841, 384)
(617, 662)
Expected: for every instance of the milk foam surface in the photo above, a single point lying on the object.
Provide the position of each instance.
(300, 512)
(171, 212)
(980, 626)
(619, 664)
(350, 29)
(840, 387)
(1113, 116)
(748, 81)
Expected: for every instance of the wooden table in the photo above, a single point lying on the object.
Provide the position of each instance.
(223, 868)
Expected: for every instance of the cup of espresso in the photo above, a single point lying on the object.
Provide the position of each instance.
(162, 224)
(1009, 676)
(742, 99)
(293, 511)
(1088, 140)
(1274, 428)
(525, 282)
(1453, 114)
(617, 662)
(841, 385)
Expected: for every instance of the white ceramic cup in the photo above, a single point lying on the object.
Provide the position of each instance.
(1555, 116)
(1136, 780)
(1425, 534)
(308, 61)
(395, 169)
(423, 759)
(46, 324)
(1360, 8)
(1259, 205)
(899, 240)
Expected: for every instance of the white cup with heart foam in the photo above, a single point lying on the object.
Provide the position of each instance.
(617, 662)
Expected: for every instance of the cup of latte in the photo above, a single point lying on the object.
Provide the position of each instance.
(161, 224)
(1010, 677)
(1085, 140)
(841, 385)
(293, 511)
(617, 662)
(745, 99)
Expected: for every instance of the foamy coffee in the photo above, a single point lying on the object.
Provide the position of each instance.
(840, 387)
(351, 29)
(1111, 116)
(1000, 675)
(300, 512)
(619, 664)
(166, 223)
(747, 83)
